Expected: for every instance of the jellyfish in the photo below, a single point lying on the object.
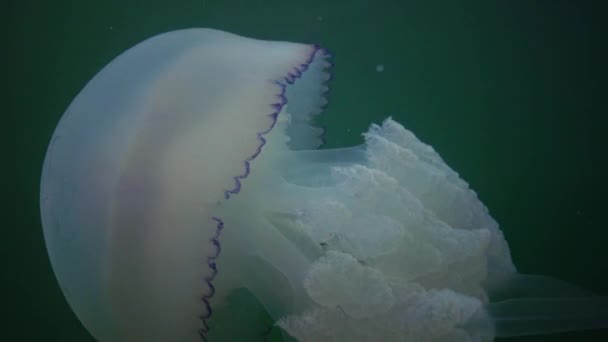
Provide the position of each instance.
(189, 167)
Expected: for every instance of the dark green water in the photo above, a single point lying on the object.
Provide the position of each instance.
(511, 93)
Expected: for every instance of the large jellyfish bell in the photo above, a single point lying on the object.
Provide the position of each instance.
(188, 168)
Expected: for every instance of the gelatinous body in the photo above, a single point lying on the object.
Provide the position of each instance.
(189, 167)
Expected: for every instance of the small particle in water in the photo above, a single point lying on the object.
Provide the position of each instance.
(379, 68)
(319, 18)
(111, 27)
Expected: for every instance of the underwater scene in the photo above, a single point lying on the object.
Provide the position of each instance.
(264, 170)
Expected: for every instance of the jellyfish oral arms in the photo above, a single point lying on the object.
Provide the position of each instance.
(189, 168)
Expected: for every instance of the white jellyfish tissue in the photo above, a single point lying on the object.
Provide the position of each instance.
(190, 167)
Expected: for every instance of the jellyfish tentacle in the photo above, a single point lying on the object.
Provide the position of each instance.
(525, 304)
(517, 286)
(534, 316)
